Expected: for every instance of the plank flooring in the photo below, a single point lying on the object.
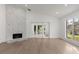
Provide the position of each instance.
(39, 46)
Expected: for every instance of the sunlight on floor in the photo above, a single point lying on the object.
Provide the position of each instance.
(70, 49)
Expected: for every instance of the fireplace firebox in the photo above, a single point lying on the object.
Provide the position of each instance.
(17, 35)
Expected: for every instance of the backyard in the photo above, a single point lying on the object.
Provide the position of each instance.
(75, 37)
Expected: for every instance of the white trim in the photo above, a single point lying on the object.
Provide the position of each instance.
(16, 40)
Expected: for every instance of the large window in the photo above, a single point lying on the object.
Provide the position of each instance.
(76, 29)
(69, 29)
(72, 27)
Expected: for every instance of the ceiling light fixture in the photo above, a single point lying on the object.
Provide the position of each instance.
(66, 5)
(25, 5)
(57, 12)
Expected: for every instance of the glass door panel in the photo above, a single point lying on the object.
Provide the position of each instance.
(69, 28)
(76, 29)
(35, 30)
(40, 30)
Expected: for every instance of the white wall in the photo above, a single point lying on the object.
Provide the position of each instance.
(15, 21)
(34, 17)
(62, 28)
(2, 23)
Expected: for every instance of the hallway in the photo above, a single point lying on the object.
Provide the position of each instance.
(39, 46)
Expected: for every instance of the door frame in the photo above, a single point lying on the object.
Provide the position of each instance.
(41, 23)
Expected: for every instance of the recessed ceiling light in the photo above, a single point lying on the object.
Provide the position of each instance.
(57, 12)
(25, 5)
(66, 5)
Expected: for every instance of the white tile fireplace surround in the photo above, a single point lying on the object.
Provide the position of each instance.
(13, 20)
(16, 20)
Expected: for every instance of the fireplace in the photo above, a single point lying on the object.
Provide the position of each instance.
(17, 35)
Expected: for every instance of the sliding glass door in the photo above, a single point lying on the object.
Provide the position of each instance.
(69, 28)
(76, 29)
(72, 29)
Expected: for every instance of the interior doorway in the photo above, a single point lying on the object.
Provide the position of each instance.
(40, 30)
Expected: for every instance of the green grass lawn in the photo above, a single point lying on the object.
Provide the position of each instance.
(76, 37)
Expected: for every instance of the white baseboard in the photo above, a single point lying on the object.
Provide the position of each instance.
(21, 39)
(16, 40)
(2, 41)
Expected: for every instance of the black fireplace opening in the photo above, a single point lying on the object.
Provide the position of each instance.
(17, 35)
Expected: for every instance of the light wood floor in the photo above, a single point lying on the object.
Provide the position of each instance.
(38, 46)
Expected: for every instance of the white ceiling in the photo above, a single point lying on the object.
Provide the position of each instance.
(52, 9)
